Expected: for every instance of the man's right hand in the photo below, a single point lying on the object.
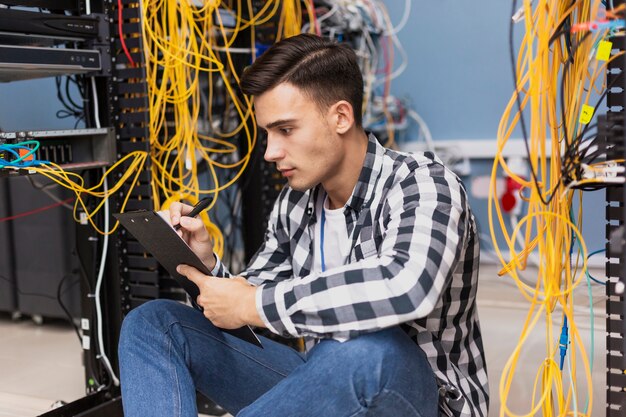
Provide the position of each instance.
(193, 231)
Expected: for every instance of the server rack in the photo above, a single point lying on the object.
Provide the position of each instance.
(615, 243)
(50, 237)
(8, 290)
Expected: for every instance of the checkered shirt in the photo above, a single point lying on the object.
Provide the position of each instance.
(413, 263)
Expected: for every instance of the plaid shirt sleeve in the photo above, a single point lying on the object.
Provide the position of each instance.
(423, 226)
(273, 259)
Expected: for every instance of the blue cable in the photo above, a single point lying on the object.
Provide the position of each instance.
(322, 239)
(587, 272)
(563, 342)
(21, 161)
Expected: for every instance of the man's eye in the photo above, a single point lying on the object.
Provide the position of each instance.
(285, 130)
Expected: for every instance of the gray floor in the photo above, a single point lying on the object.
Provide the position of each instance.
(42, 364)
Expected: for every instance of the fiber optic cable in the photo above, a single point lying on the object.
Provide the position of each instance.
(556, 69)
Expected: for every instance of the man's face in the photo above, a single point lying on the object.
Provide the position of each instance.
(300, 139)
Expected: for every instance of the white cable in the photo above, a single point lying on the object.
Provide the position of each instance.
(405, 62)
(428, 138)
(105, 248)
(328, 14)
(234, 50)
(405, 58)
(96, 109)
(403, 21)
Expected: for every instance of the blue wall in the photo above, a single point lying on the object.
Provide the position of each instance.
(458, 77)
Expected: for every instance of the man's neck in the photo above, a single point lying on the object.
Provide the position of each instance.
(340, 186)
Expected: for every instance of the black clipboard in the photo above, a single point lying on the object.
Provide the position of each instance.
(159, 238)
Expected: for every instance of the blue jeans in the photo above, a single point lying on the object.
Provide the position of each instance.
(168, 350)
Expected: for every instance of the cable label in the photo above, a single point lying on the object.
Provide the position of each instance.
(586, 114)
(604, 50)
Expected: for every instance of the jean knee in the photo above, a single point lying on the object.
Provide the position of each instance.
(151, 313)
(371, 348)
(388, 354)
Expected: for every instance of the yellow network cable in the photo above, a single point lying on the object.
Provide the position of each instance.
(184, 43)
(74, 182)
(547, 68)
(290, 22)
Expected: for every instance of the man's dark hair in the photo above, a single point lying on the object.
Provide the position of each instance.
(325, 70)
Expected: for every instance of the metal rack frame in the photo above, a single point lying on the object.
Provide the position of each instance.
(616, 260)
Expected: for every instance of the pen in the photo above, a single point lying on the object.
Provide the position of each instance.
(197, 209)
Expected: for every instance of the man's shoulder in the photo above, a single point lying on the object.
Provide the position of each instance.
(410, 163)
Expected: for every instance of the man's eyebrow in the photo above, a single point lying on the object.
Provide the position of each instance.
(278, 123)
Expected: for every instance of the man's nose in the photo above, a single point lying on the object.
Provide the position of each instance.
(274, 151)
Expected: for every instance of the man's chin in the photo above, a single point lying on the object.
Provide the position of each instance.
(298, 185)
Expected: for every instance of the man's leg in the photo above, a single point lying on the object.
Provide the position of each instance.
(168, 350)
(379, 374)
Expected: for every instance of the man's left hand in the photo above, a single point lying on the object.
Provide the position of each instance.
(228, 303)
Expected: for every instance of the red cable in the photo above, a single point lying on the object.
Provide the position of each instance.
(384, 70)
(316, 24)
(119, 26)
(38, 210)
(388, 69)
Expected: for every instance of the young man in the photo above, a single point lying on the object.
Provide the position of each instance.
(371, 255)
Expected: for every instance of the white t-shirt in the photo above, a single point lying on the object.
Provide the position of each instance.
(336, 244)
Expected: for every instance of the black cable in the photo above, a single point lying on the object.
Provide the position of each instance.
(83, 273)
(32, 294)
(568, 167)
(70, 319)
(70, 107)
(58, 83)
(572, 150)
(570, 146)
(568, 38)
(69, 94)
(519, 105)
(37, 186)
(562, 92)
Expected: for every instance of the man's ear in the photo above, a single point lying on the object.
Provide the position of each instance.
(342, 116)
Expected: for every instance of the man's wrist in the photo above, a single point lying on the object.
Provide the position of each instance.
(211, 262)
(251, 314)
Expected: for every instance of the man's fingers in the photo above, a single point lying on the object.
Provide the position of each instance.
(196, 226)
(178, 209)
(191, 273)
(241, 279)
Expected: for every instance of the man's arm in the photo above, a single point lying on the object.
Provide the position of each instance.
(271, 260)
(230, 303)
(423, 239)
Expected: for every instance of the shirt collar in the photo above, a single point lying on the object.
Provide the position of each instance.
(365, 184)
(369, 174)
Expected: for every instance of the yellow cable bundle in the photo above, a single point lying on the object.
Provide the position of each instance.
(183, 43)
(76, 183)
(290, 22)
(548, 226)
